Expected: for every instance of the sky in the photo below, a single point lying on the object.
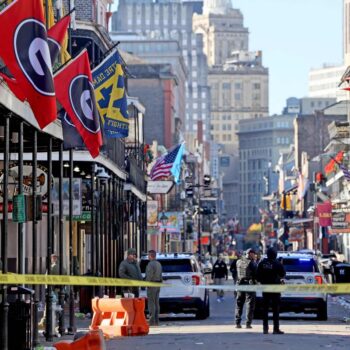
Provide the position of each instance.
(295, 36)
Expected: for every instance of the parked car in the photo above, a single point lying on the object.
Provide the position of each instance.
(183, 272)
(300, 269)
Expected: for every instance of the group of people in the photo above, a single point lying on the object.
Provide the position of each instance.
(130, 269)
(246, 270)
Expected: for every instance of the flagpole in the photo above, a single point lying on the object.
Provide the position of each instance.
(71, 328)
(72, 58)
(99, 60)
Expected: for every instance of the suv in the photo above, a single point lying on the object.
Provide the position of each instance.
(183, 272)
(300, 269)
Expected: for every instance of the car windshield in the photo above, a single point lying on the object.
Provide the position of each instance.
(171, 265)
(300, 265)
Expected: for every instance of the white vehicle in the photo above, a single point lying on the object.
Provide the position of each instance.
(183, 272)
(300, 269)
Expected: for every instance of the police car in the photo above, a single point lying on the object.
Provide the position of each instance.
(300, 268)
(183, 272)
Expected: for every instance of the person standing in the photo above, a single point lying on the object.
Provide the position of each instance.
(130, 269)
(246, 270)
(271, 271)
(153, 274)
(219, 275)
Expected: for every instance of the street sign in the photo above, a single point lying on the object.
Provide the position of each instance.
(159, 187)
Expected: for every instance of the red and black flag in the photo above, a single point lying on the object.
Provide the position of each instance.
(25, 51)
(55, 38)
(56, 35)
(75, 92)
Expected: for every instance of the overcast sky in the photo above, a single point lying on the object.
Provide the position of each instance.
(294, 35)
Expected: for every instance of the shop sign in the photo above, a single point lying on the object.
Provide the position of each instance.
(13, 180)
(152, 213)
(159, 187)
(77, 196)
(340, 220)
(324, 213)
(84, 216)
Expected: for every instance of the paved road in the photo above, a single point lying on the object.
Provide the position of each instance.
(218, 332)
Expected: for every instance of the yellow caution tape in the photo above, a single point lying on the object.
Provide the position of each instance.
(340, 288)
(343, 288)
(74, 281)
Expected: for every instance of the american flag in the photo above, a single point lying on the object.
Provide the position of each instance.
(163, 165)
(345, 171)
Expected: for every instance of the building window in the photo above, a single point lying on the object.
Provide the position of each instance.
(237, 96)
(256, 86)
(238, 86)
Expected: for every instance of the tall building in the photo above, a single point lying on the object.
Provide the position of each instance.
(324, 81)
(238, 82)
(346, 32)
(172, 19)
(261, 143)
(158, 53)
(223, 30)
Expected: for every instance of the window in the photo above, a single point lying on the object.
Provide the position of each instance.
(238, 86)
(300, 265)
(256, 86)
(226, 86)
(237, 96)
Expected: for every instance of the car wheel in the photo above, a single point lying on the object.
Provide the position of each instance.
(322, 313)
(204, 311)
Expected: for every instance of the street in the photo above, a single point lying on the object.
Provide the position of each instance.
(185, 333)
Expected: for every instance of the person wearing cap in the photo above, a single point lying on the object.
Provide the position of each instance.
(129, 268)
(153, 274)
(271, 271)
(246, 271)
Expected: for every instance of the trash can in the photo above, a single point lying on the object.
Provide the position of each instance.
(342, 273)
(20, 318)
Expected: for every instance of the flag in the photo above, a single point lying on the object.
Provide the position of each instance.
(345, 171)
(75, 93)
(24, 50)
(164, 164)
(303, 186)
(176, 168)
(55, 38)
(71, 137)
(108, 79)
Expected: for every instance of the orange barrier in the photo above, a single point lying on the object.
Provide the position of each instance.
(91, 341)
(119, 317)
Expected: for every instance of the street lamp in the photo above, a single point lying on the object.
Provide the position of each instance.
(164, 220)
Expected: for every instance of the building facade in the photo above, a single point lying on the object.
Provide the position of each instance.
(261, 143)
(239, 91)
(238, 83)
(172, 19)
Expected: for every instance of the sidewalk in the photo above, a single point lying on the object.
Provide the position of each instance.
(82, 325)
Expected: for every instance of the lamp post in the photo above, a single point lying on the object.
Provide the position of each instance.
(164, 221)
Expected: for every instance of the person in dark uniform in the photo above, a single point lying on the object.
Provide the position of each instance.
(246, 270)
(219, 275)
(271, 271)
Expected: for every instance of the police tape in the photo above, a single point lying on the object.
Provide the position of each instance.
(10, 279)
(340, 288)
(57, 280)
